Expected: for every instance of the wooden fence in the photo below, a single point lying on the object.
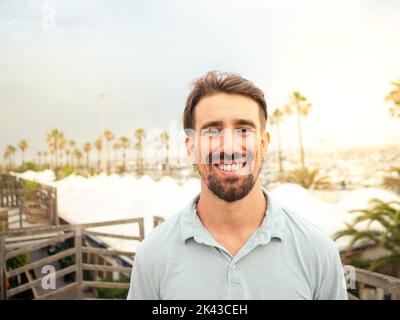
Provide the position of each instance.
(390, 286)
(43, 206)
(10, 191)
(88, 259)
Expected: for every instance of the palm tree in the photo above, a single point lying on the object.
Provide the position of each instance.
(164, 138)
(124, 144)
(6, 157)
(99, 146)
(139, 137)
(10, 150)
(276, 119)
(87, 147)
(387, 216)
(23, 145)
(301, 106)
(39, 154)
(308, 178)
(109, 137)
(55, 140)
(67, 155)
(78, 156)
(116, 146)
(72, 145)
(394, 98)
(63, 143)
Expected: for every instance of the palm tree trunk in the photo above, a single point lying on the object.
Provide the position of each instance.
(98, 161)
(124, 159)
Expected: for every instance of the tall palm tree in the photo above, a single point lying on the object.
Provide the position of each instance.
(124, 144)
(39, 154)
(394, 98)
(109, 137)
(10, 150)
(140, 134)
(23, 145)
(299, 104)
(98, 144)
(276, 119)
(6, 157)
(164, 138)
(67, 154)
(55, 140)
(78, 156)
(87, 147)
(72, 145)
(63, 144)
(116, 146)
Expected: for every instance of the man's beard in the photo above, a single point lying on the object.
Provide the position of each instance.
(229, 189)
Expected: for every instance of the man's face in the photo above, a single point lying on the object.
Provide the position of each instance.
(227, 144)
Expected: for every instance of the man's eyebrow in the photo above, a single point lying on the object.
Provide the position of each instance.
(210, 124)
(245, 122)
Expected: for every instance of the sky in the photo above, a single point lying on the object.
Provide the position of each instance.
(56, 57)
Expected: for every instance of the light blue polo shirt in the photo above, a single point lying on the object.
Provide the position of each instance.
(287, 257)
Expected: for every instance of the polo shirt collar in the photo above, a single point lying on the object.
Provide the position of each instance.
(271, 227)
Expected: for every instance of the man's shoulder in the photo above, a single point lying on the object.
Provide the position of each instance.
(306, 233)
(162, 237)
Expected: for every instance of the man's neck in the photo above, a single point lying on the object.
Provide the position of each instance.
(229, 218)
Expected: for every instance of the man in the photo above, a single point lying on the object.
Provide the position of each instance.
(233, 240)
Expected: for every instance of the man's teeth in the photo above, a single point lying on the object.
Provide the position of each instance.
(231, 167)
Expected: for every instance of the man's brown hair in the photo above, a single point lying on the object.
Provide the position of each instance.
(216, 82)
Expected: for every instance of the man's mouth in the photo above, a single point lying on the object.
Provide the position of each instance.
(231, 169)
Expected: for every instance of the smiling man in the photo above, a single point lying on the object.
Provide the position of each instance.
(233, 240)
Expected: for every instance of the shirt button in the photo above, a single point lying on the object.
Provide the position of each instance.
(234, 266)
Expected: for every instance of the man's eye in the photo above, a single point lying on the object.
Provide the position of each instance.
(213, 132)
(244, 131)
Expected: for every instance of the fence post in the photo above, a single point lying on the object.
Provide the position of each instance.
(78, 263)
(3, 282)
(141, 229)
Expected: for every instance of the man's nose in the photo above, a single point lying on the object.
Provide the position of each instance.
(229, 144)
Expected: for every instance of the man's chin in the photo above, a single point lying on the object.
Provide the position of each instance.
(230, 189)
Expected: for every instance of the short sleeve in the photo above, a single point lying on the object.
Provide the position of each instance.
(332, 284)
(143, 284)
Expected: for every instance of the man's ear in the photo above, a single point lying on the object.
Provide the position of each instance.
(265, 138)
(189, 143)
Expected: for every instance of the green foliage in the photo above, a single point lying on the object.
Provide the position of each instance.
(65, 171)
(385, 214)
(18, 261)
(107, 293)
(308, 178)
(27, 166)
(29, 189)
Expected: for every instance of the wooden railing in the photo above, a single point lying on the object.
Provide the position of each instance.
(12, 196)
(10, 191)
(157, 220)
(98, 262)
(389, 285)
